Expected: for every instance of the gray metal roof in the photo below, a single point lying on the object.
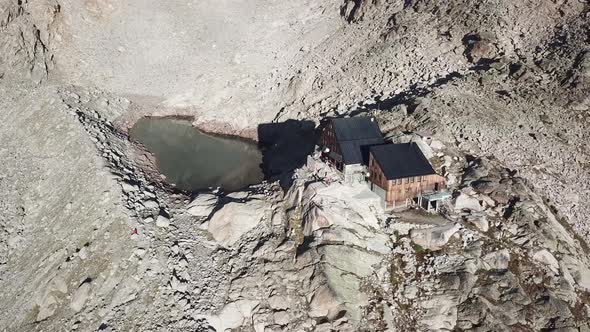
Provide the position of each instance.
(354, 135)
(401, 160)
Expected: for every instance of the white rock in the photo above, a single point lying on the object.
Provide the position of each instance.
(139, 252)
(426, 150)
(259, 327)
(411, 292)
(546, 258)
(83, 253)
(162, 221)
(235, 219)
(202, 206)
(232, 315)
(278, 217)
(178, 285)
(58, 284)
(175, 249)
(282, 318)
(324, 304)
(125, 292)
(451, 179)
(278, 302)
(128, 187)
(440, 315)
(467, 202)
(497, 260)
(47, 307)
(437, 145)
(481, 222)
(433, 238)
(150, 204)
(80, 296)
(488, 201)
(581, 275)
(448, 161)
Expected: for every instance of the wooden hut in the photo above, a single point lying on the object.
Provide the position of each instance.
(399, 174)
(345, 143)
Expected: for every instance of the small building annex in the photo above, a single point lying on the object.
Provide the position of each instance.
(401, 175)
(346, 141)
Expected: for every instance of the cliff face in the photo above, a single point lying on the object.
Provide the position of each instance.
(91, 239)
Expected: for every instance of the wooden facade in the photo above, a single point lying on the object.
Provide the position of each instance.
(328, 140)
(398, 191)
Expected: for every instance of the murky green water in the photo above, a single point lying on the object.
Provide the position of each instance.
(193, 160)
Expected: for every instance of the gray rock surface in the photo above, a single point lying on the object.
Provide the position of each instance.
(91, 238)
(235, 219)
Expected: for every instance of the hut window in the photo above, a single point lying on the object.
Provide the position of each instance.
(412, 180)
(419, 179)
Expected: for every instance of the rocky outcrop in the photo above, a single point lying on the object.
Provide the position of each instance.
(202, 206)
(235, 219)
(490, 279)
(28, 29)
(433, 238)
(331, 248)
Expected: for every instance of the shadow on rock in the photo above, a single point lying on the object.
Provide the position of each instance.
(285, 147)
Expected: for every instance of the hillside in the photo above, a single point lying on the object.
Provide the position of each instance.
(92, 237)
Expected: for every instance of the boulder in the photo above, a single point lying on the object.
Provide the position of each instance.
(425, 148)
(47, 307)
(324, 304)
(232, 315)
(465, 202)
(478, 49)
(433, 238)
(440, 314)
(80, 296)
(437, 145)
(282, 318)
(481, 222)
(315, 219)
(497, 260)
(150, 204)
(235, 219)
(162, 221)
(128, 187)
(202, 206)
(278, 302)
(546, 258)
(581, 274)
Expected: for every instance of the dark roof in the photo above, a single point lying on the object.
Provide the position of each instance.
(349, 129)
(401, 160)
(357, 151)
(354, 135)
